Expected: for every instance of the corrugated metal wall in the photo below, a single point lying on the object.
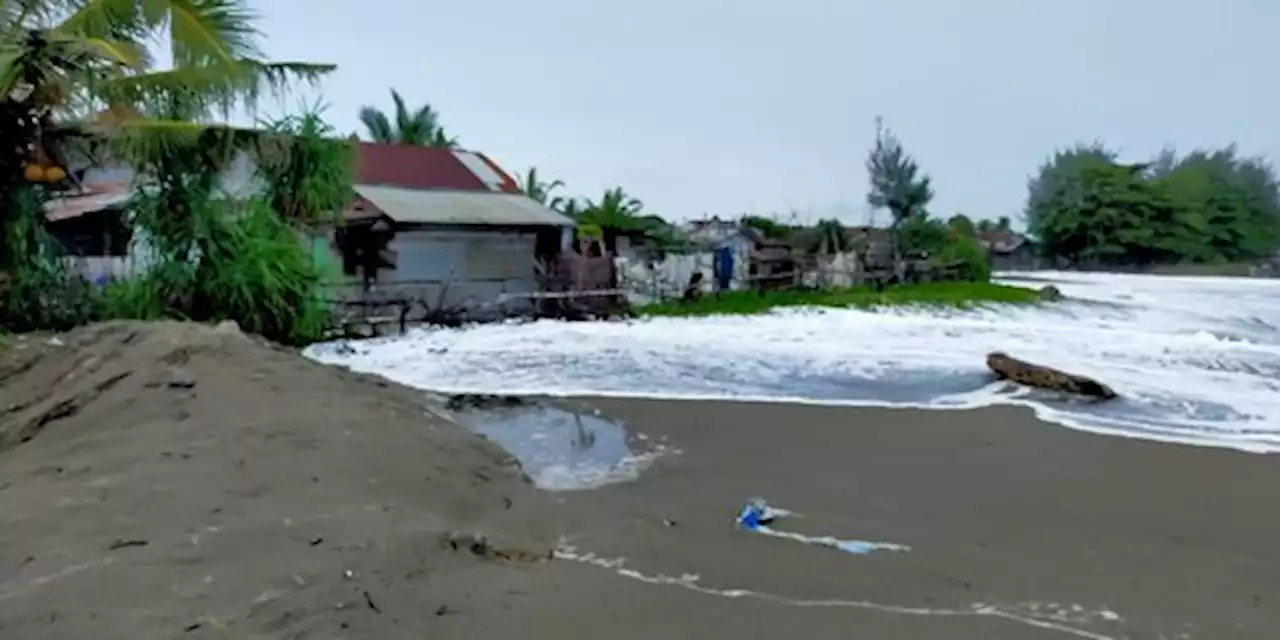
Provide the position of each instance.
(464, 268)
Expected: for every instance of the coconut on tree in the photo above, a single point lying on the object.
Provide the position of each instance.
(77, 80)
(81, 70)
(420, 127)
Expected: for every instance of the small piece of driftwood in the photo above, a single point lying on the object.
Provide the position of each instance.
(1041, 377)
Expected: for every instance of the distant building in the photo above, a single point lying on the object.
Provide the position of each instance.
(713, 233)
(1009, 250)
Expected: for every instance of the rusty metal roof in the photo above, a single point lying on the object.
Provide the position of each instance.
(460, 207)
(101, 197)
(416, 167)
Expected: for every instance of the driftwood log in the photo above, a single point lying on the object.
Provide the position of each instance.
(1041, 377)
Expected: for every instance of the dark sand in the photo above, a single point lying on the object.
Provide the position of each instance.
(281, 499)
(1000, 509)
(182, 481)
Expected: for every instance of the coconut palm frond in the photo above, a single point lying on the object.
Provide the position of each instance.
(144, 141)
(206, 32)
(197, 92)
(377, 125)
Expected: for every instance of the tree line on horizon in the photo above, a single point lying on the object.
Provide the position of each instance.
(1084, 206)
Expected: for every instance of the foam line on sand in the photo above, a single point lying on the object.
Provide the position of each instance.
(690, 582)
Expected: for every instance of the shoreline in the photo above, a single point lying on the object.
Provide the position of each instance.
(1039, 412)
(1051, 532)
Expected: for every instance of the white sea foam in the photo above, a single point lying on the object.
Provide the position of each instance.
(1196, 359)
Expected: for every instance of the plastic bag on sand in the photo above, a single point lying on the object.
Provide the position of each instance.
(757, 515)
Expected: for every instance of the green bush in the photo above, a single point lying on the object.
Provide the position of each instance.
(38, 291)
(945, 244)
(956, 295)
(251, 268)
(961, 248)
(256, 271)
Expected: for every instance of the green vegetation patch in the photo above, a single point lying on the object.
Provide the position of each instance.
(956, 295)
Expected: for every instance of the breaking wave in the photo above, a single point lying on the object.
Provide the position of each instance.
(1197, 360)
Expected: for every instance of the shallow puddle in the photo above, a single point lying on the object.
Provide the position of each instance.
(559, 449)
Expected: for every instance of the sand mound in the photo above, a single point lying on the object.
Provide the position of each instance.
(172, 479)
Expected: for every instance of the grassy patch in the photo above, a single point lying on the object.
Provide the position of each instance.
(956, 295)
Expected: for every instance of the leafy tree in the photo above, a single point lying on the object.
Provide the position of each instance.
(1209, 206)
(419, 127)
(923, 234)
(1229, 201)
(538, 189)
(897, 183)
(1059, 179)
(962, 225)
(1118, 217)
(946, 242)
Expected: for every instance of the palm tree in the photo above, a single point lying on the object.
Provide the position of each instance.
(539, 190)
(572, 208)
(421, 127)
(62, 61)
(615, 210)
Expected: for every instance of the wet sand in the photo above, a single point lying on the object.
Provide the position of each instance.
(177, 481)
(1019, 529)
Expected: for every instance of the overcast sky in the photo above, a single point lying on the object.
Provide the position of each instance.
(729, 107)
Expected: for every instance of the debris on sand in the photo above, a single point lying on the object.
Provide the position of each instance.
(1041, 377)
(480, 545)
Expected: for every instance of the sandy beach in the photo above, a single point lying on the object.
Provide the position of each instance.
(173, 481)
(1060, 533)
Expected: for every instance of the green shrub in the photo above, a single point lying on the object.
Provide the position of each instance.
(960, 248)
(256, 271)
(945, 244)
(251, 268)
(956, 295)
(39, 291)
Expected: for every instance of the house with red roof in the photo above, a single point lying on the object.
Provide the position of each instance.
(448, 226)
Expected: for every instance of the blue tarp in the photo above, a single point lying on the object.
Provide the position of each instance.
(723, 268)
(757, 516)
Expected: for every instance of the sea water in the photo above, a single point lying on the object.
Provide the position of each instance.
(560, 448)
(1197, 360)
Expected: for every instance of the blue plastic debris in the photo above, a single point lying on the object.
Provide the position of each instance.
(757, 515)
(758, 512)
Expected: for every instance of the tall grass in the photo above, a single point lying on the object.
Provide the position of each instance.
(250, 268)
(226, 258)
